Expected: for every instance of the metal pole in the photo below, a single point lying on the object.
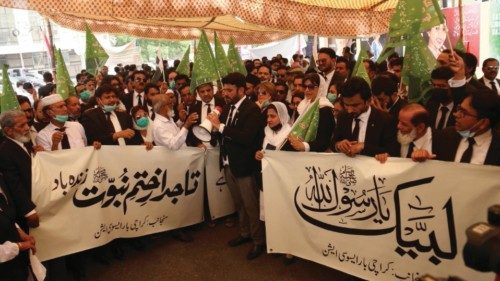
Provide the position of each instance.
(51, 42)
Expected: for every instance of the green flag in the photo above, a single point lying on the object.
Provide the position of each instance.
(8, 99)
(183, 67)
(234, 59)
(411, 17)
(204, 69)
(418, 65)
(95, 55)
(307, 126)
(359, 68)
(460, 45)
(64, 85)
(220, 57)
(415, 16)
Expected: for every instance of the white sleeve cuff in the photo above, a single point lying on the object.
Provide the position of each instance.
(306, 147)
(8, 251)
(30, 213)
(457, 83)
(221, 127)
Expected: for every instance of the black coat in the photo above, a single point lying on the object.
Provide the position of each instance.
(15, 269)
(15, 164)
(240, 141)
(445, 144)
(94, 123)
(380, 136)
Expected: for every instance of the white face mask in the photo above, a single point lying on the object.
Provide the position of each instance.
(407, 138)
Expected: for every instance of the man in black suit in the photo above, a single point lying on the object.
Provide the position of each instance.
(107, 126)
(15, 164)
(204, 107)
(441, 105)
(137, 97)
(239, 131)
(472, 139)
(490, 70)
(385, 90)
(14, 242)
(363, 129)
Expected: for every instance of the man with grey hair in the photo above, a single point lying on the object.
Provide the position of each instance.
(15, 164)
(167, 132)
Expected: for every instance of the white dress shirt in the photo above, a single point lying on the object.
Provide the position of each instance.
(363, 124)
(74, 131)
(167, 133)
(135, 98)
(424, 142)
(487, 82)
(440, 113)
(117, 127)
(479, 149)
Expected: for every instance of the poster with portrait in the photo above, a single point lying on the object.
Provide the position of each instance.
(471, 18)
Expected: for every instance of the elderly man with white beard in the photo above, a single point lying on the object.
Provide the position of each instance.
(414, 132)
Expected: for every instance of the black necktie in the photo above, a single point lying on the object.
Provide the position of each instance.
(410, 150)
(230, 116)
(467, 156)
(139, 100)
(65, 140)
(441, 123)
(109, 124)
(355, 132)
(209, 108)
(494, 87)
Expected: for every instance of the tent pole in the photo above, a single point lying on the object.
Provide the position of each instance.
(51, 42)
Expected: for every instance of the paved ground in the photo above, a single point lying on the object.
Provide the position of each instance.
(207, 258)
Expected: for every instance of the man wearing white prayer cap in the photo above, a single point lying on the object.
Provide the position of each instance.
(59, 133)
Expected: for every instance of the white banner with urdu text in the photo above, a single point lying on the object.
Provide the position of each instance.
(86, 198)
(392, 221)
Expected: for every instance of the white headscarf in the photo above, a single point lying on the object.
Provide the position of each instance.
(323, 101)
(277, 138)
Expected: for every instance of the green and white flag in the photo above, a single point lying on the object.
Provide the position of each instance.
(221, 61)
(183, 67)
(64, 85)
(234, 58)
(306, 127)
(95, 55)
(204, 69)
(8, 99)
(359, 68)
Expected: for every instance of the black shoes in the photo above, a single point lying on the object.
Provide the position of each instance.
(256, 251)
(240, 240)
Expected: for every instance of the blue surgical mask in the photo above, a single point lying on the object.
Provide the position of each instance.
(85, 95)
(142, 122)
(331, 97)
(61, 118)
(109, 108)
(466, 134)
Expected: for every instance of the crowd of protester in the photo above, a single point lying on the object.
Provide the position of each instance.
(456, 121)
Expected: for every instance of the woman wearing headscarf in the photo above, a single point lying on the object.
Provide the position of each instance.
(315, 90)
(276, 133)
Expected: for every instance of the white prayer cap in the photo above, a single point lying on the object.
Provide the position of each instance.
(51, 99)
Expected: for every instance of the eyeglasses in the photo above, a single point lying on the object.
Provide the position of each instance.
(140, 79)
(461, 112)
(492, 67)
(309, 86)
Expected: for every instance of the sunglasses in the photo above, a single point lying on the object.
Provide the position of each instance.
(309, 86)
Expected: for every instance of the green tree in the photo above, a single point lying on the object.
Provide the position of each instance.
(169, 49)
